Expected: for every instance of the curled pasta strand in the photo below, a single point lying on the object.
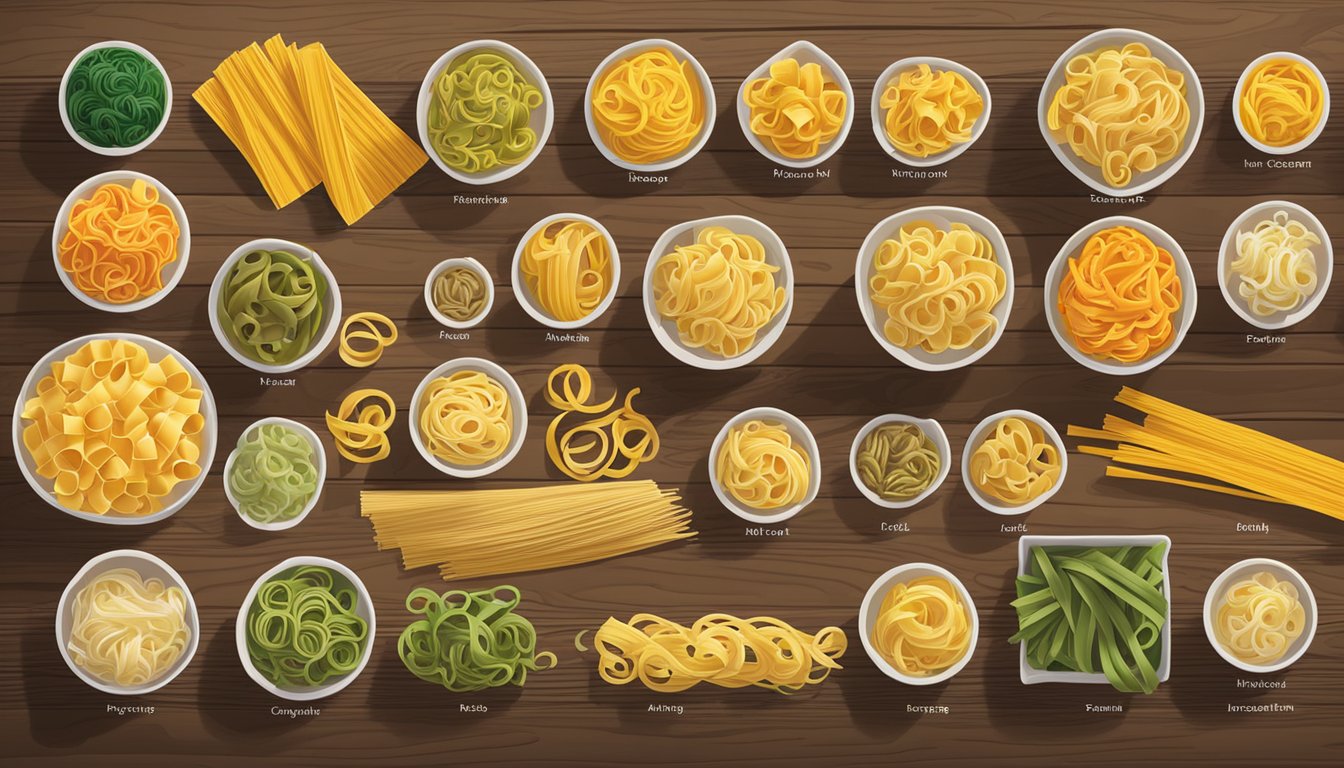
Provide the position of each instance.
(796, 109)
(922, 626)
(618, 441)
(128, 630)
(118, 241)
(303, 627)
(928, 112)
(466, 418)
(567, 267)
(762, 466)
(365, 326)
(1275, 266)
(1281, 102)
(648, 107)
(361, 432)
(1016, 463)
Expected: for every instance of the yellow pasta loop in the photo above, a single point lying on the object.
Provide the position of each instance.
(922, 626)
(762, 466)
(1121, 110)
(632, 441)
(567, 268)
(720, 291)
(937, 289)
(366, 326)
(928, 112)
(719, 649)
(1258, 618)
(361, 432)
(114, 431)
(466, 418)
(118, 241)
(1016, 463)
(1281, 102)
(128, 630)
(796, 110)
(1275, 267)
(648, 107)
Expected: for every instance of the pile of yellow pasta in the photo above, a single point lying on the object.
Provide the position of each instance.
(796, 110)
(762, 466)
(366, 327)
(1258, 618)
(648, 107)
(922, 626)
(1016, 463)
(928, 112)
(1281, 102)
(466, 418)
(567, 267)
(587, 452)
(360, 425)
(128, 630)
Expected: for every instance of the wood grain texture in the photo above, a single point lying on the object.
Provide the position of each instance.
(826, 368)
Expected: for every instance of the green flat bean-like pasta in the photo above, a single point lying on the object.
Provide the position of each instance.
(115, 97)
(479, 113)
(302, 628)
(470, 641)
(270, 306)
(274, 475)
(1094, 610)
(897, 461)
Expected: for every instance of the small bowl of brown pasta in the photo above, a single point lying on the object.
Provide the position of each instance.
(459, 293)
(897, 461)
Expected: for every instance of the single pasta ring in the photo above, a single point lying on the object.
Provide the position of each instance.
(364, 326)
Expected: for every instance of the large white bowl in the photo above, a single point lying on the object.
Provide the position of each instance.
(800, 434)
(319, 463)
(516, 400)
(486, 280)
(116, 151)
(524, 293)
(665, 331)
(1325, 104)
(149, 567)
(1227, 253)
(978, 436)
(805, 53)
(935, 433)
(1185, 316)
(871, 606)
(1282, 572)
(540, 120)
(1090, 174)
(706, 87)
(936, 64)
(182, 492)
(941, 216)
(331, 304)
(171, 273)
(363, 608)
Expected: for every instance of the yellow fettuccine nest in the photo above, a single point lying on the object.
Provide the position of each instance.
(796, 110)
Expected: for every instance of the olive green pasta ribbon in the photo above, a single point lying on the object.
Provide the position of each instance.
(302, 628)
(479, 112)
(271, 306)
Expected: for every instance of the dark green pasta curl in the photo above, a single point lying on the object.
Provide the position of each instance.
(115, 97)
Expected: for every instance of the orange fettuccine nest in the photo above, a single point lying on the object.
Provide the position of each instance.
(118, 241)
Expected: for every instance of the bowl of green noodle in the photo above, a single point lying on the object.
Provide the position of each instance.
(115, 98)
(306, 628)
(484, 112)
(907, 458)
(274, 477)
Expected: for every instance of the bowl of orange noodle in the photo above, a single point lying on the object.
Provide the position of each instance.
(871, 609)
(836, 83)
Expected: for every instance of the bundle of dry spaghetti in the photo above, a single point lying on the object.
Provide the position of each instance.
(1241, 461)
(486, 533)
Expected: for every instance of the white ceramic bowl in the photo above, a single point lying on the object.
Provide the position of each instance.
(473, 265)
(941, 216)
(149, 567)
(871, 607)
(363, 608)
(978, 436)
(936, 64)
(1030, 675)
(1244, 569)
(1185, 316)
(1227, 253)
(805, 53)
(540, 120)
(524, 293)
(319, 463)
(182, 492)
(331, 304)
(116, 151)
(706, 87)
(800, 434)
(171, 273)
(516, 398)
(1090, 174)
(935, 433)
(1325, 104)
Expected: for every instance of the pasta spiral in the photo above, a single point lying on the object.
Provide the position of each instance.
(366, 326)
(1016, 463)
(466, 418)
(118, 241)
(361, 433)
(270, 306)
(274, 473)
(922, 626)
(128, 630)
(567, 267)
(116, 97)
(303, 627)
(648, 107)
(936, 288)
(1275, 267)
(459, 293)
(897, 461)
(928, 112)
(1258, 618)
(762, 466)
(1281, 102)
(633, 439)
(796, 110)
(479, 113)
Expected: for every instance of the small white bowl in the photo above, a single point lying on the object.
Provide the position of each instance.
(872, 605)
(1325, 104)
(516, 400)
(935, 433)
(941, 216)
(540, 120)
(331, 304)
(182, 492)
(1227, 253)
(937, 65)
(149, 567)
(805, 53)
(1213, 600)
(319, 463)
(800, 434)
(706, 88)
(115, 151)
(1029, 674)
(524, 293)
(171, 273)
(1090, 174)
(665, 331)
(978, 436)
(363, 608)
(468, 263)
(1185, 316)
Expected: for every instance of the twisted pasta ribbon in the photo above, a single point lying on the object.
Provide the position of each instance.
(270, 306)
(274, 473)
(922, 626)
(303, 628)
(1282, 102)
(479, 113)
(1016, 463)
(1120, 296)
(1121, 110)
(897, 461)
(459, 293)
(118, 241)
(363, 438)
(1275, 267)
(1258, 618)
(466, 418)
(115, 97)
(648, 107)
(370, 331)
(937, 288)
(762, 466)
(567, 268)
(633, 440)
(928, 112)
(796, 109)
(128, 630)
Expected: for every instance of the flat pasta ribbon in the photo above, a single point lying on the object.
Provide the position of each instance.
(270, 306)
(1281, 102)
(927, 112)
(365, 326)
(1016, 463)
(303, 628)
(632, 441)
(361, 433)
(127, 630)
(648, 107)
(479, 113)
(118, 241)
(466, 418)
(922, 626)
(567, 267)
(762, 466)
(796, 109)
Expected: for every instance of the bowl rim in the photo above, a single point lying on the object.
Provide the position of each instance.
(115, 151)
(830, 67)
(1313, 302)
(524, 294)
(1308, 599)
(872, 600)
(319, 461)
(518, 401)
(931, 428)
(799, 432)
(878, 115)
(973, 442)
(1320, 124)
(466, 262)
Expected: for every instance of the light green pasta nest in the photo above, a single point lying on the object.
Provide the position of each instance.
(274, 473)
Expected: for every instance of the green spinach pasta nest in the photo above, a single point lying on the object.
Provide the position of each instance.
(274, 473)
(115, 97)
(303, 630)
(479, 113)
(270, 306)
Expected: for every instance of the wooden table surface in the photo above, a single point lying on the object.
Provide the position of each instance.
(826, 368)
